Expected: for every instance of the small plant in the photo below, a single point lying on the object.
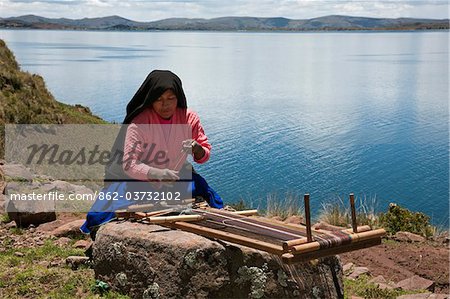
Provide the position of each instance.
(5, 218)
(17, 231)
(401, 219)
(239, 206)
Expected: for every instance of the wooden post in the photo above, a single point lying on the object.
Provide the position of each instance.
(246, 212)
(352, 207)
(308, 218)
(170, 219)
(160, 212)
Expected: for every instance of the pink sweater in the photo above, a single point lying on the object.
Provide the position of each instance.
(151, 139)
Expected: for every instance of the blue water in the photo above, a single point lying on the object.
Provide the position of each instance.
(323, 113)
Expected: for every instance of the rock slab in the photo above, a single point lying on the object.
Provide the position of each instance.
(416, 283)
(408, 237)
(27, 212)
(150, 261)
(17, 172)
(71, 229)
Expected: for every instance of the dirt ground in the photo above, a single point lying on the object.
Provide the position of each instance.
(396, 261)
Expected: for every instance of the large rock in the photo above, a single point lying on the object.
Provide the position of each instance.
(150, 261)
(71, 229)
(2, 204)
(381, 282)
(26, 212)
(17, 172)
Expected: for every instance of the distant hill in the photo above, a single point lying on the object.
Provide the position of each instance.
(24, 99)
(334, 22)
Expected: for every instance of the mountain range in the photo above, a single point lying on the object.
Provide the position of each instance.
(333, 23)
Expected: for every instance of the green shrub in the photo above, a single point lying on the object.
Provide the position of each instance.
(401, 219)
(4, 218)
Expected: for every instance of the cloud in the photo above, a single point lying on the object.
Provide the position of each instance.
(56, 2)
(150, 10)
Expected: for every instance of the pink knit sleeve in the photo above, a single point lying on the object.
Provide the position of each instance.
(132, 152)
(199, 135)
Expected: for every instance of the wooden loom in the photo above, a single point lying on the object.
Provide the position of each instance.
(294, 243)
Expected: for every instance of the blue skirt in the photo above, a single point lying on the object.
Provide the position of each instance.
(103, 209)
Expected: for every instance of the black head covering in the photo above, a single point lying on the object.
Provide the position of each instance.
(156, 83)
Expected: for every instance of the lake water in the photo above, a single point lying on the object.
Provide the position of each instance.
(323, 113)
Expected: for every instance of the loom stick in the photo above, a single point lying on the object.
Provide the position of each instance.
(288, 244)
(246, 221)
(355, 238)
(308, 218)
(139, 215)
(360, 229)
(377, 233)
(160, 212)
(323, 226)
(301, 229)
(296, 227)
(290, 258)
(170, 219)
(246, 212)
(352, 206)
(230, 237)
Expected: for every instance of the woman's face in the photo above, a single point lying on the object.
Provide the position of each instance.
(166, 104)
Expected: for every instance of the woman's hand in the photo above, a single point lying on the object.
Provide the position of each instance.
(162, 175)
(190, 145)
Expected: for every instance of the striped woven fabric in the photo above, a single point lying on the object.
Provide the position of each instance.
(334, 238)
(269, 232)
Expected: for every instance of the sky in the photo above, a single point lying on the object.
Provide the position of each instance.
(151, 10)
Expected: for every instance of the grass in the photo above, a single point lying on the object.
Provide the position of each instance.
(24, 99)
(338, 213)
(363, 288)
(291, 205)
(30, 277)
(273, 206)
(394, 220)
(4, 218)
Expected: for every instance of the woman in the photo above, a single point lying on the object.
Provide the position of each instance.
(152, 148)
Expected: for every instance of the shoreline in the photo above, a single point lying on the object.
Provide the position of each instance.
(235, 31)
